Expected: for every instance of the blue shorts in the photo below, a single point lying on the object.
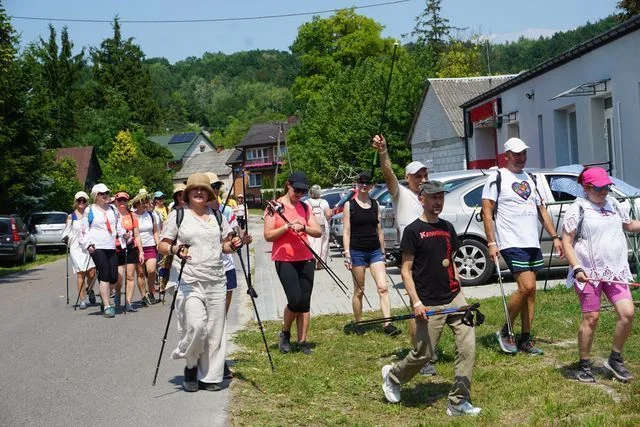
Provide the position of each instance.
(232, 281)
(366, 258)
(523, 259)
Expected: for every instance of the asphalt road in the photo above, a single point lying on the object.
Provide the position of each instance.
(62, 367)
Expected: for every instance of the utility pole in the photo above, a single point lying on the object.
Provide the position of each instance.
(277, 159)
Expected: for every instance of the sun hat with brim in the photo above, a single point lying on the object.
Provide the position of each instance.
(99, 188)
(122, 195)
(140, 198)
(178, 188)
(199, 180)
(432, 187)
(414, 167)
(80, 194)
(515, 145)
(299, 180)
(597, 177)
(213, 178)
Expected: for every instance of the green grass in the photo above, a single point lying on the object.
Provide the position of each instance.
(41, 259)
(340, 382)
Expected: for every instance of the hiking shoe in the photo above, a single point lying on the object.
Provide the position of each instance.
(304, 347)
(391, 389)
(285, 342)
(109, 312)
(116, 300)
(151, 299)
(617, 368)
(359, 330)
(528, 348)
(209, 386)
(228, 374)
(464, 408)
(428, 370)
(190, 381)
(507, 343)
(391, 330)
(92, 296)
(130, 308)
(83, 305)
(585, 374)
(144, 301)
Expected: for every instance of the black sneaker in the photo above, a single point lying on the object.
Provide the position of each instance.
(228, 374)
(305, 348)
(391, 330)
(585, 374)
(92, 296)
(428, 370)
(617, 368)
(285, 342)
(151, 299)
(190, 382)
(209, 386)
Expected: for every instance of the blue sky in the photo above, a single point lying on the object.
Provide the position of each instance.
(498, 19)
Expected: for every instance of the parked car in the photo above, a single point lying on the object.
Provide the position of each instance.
(47, 228)
(16, 243)
(462, 208)
(331, 195)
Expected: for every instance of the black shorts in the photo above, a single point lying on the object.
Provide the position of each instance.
(131, 253)
(297, 280)
(232, 280)
(106, 261)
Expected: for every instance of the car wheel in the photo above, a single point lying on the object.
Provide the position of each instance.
(473, 263)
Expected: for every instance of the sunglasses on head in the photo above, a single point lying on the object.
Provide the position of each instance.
(81, 200)
(300, 190)
(604, 187)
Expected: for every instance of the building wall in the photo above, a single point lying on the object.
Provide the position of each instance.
(444, 155)
(547, 126)
(194, 150)
(433, 123)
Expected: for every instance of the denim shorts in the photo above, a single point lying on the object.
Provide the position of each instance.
(366, 258)
(523, 259)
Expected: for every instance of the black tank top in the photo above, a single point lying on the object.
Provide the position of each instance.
(364, 227)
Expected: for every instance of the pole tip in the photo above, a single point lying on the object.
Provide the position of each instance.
(396, 43)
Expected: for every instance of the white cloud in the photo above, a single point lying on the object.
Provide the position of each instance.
(529, 33)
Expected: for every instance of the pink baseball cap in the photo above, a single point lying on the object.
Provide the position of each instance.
(597, 177)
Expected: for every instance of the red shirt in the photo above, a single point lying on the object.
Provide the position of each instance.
(288, 247)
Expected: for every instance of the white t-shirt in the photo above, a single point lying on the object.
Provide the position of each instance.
(145, 225)
(227, 259)
(601, 248)
(103, 229)
(406, 208)
(516, 222)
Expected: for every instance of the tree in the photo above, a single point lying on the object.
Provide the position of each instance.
(461, 59)
(629, 8)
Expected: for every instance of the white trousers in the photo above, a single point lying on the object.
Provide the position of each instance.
(202, 329)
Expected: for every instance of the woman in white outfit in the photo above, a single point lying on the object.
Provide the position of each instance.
(148, 225)
(322, 212)
(200, 303)
(81, 263)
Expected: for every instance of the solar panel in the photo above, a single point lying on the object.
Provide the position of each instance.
(182, 138)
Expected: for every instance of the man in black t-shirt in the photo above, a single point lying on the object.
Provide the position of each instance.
(431, 280)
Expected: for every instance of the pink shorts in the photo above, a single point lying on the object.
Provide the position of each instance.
(590, 295)
(150, 252)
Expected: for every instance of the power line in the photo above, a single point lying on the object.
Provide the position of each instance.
(195, 20)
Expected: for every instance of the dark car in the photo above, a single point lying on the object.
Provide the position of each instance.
(16, 243)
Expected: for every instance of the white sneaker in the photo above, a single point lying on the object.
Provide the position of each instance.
(390, 388)
(83, 305)
(464, 408)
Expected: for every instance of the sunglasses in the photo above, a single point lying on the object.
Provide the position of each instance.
(81, 200)
(364, 183)
(300, 190)
(103, 194)
(603, 188)
(216, 186)
(121, 199)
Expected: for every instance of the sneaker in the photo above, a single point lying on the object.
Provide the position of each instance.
(209, 386)
(304, 347)
(391, 330)
(428, 370)
(391, 389)
(92, 296)
(617, 368)
(285, 342)
(464, 408)
(145, 301)
(83, 305)
(130, 308)
(228, 374)
(528, 348)
(109, 312)
(507, 343)
(151, 299)
(359, 330)
(116, 300)
(190, 381)
(585, 374)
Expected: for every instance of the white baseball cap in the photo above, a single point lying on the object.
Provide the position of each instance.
(515, 145)
(414, 167)
(99, 188)
(80, 194)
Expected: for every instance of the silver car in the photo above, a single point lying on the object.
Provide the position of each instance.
(47, 228)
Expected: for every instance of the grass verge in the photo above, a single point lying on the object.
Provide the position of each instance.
(340, 382)
(41, 259)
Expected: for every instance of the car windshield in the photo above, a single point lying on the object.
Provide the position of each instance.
(49, 218)
(455, 183)
(332, 198)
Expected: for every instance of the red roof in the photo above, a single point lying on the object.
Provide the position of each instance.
(82, 156)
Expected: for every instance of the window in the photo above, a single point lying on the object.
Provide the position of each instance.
(541, 140)
(261, 154)
(283, 151)
(202, 148)
(474, 197)
(255, 180)
(513, 130)
(563, 187)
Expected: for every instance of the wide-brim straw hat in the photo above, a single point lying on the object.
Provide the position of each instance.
(140, 197)
(199, 180)
(177, 188)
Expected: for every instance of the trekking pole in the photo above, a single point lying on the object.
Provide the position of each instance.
(173, 306)
(275, 208)
(546, 279)
(75, 307)
(124, 279)
(67, 262)
(250, 289)
(384, 104)
(504, 300)
(397, 290)
(468, 320)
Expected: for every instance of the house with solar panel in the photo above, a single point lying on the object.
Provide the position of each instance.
(183, 146)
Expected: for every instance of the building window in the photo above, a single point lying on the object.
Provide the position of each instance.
(255, 180)
(283, 152)
(258, 155)
(541, 140)
(513, 130)
(202, 147)
(566, 136)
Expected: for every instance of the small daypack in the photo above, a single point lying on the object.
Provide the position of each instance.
(316, 209)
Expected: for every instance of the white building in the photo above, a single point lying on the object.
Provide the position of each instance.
(436, 136)
(582, 106)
